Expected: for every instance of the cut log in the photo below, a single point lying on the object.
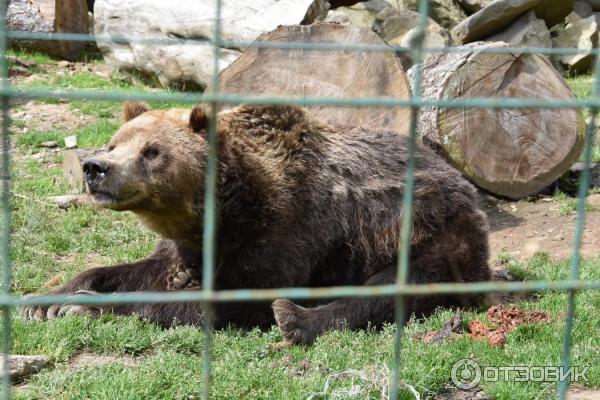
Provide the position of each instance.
(49, 16)
(72, 167)
(327, 73)
(508, 152)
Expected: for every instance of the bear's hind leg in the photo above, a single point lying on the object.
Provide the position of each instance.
(303, 325)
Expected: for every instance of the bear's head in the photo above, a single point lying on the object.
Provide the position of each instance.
(154, 164)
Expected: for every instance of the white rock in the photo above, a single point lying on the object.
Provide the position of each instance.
(184, 63)
(71, 142)
(578, 33)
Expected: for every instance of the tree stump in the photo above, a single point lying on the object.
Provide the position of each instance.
(508, 152)
(49, 16)
(328, 73)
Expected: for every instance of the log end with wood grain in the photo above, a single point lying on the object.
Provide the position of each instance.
(511, 152)
(324, 73)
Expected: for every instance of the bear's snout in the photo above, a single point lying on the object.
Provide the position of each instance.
(94, 171)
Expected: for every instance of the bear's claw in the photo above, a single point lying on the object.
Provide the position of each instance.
(41, 313)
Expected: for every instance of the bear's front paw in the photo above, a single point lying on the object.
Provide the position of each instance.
(180, 277)
(41, 313)
(294, 322)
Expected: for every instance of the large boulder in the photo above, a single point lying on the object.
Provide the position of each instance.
(580, 33)
(583, 9)
(526, 31)
(362, 14)
(184, 62)
(491, 19)
(553, 11)
(447, 13)
(472, 6)
(398, 27)
(594, 3)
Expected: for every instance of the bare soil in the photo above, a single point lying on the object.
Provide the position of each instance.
(42, 117)
(524, 227)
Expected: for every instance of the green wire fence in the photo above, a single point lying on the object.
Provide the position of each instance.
(208, 295)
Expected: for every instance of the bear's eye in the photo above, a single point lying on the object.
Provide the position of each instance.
(150, 153)
(110, 148)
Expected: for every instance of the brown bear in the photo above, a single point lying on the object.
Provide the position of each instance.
(300, 204)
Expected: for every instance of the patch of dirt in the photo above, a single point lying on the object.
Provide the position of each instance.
(453, 393)
(525, 227)
(86, 360)
(40, 117)
(575, 393)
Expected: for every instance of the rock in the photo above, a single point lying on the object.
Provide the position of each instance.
(577, 33)
(472, 6)
(446, 13)
(22, 366)
(71, 142)
(361, 14)
(398, 27)
(526, 31)
(70, 200)
(185, 63)
(582, 9)
(491, 19)
(49, 144)
(594, 3)
(553, 11)
(337, 17)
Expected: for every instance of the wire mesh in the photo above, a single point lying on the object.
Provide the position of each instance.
(208, 295)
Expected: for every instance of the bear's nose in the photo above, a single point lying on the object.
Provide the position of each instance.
(94, 170)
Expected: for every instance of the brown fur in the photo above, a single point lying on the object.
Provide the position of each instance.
(299, 204)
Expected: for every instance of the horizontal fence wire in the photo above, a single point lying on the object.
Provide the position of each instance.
(317, 46)
(210, 296)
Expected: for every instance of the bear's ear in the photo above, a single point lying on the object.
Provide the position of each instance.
(133, 109)
(198, 119)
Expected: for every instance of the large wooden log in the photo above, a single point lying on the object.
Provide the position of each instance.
(297, 72)
(509, 152)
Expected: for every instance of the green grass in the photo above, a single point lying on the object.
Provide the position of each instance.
(568, 205)
(582, 87)
(243, 366)
(93, 135)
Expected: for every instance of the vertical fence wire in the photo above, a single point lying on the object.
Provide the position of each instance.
(210, 203)
(400, 300)
(584, 184)
(5, 205)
